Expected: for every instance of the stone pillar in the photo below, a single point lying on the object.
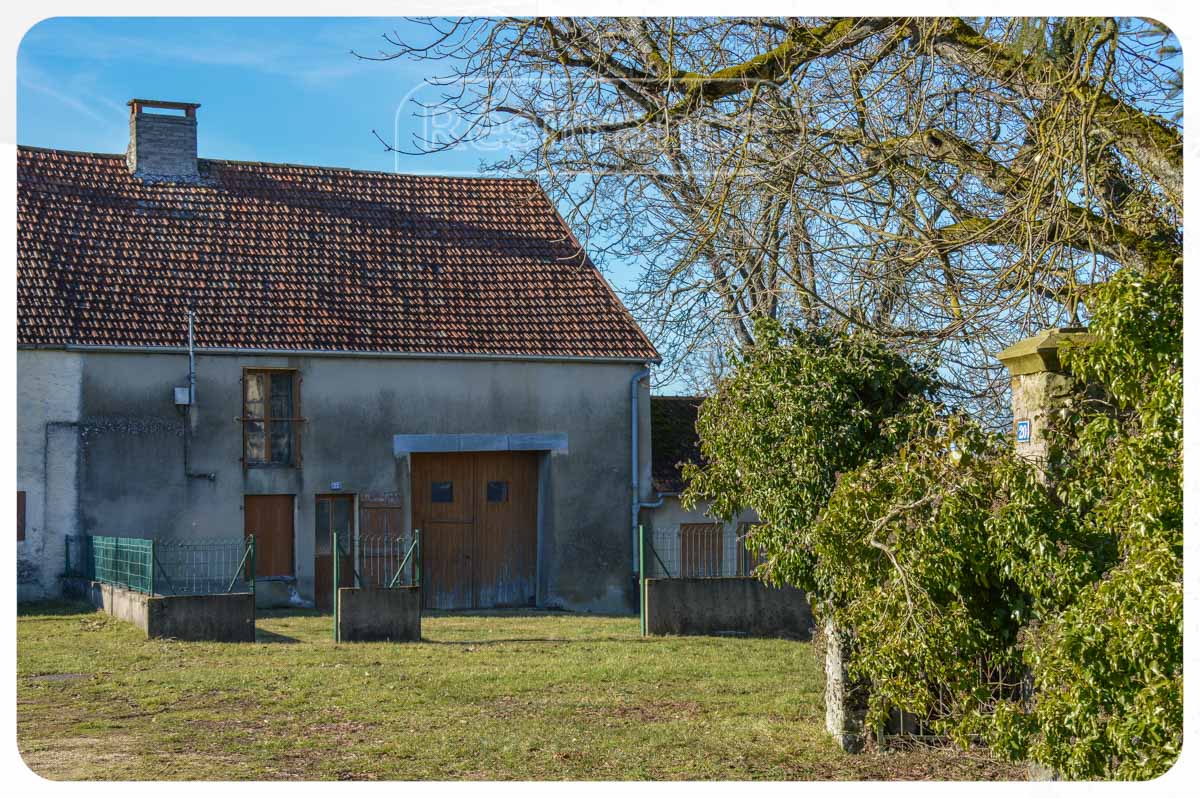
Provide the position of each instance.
(844, 714)
(1039, 385)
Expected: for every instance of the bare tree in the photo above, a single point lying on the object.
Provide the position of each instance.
(948, 183)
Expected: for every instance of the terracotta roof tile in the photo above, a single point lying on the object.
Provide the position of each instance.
(673, 430)
(276, 256)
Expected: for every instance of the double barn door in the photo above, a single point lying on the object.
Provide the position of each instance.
(477, 513)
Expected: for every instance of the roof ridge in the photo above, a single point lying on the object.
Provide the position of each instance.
(287, 164)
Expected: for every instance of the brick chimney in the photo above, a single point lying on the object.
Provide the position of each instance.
(162, 143)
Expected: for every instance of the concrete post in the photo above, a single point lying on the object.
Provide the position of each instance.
(1039, 386)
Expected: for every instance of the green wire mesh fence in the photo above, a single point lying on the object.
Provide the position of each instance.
(164, 567)
(127, 562)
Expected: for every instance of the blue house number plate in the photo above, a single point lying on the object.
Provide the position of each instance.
(1023, 430)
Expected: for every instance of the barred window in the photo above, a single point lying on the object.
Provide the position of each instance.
(270, 417)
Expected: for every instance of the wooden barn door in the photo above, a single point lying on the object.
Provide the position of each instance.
(444, 511)
(381, 542)
(269, 519)
(505, 557)
(477, 513)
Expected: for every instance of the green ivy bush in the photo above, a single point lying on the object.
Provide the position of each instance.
(1040, 614)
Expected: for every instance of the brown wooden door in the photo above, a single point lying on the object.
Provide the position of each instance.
(333, 512)
(269, 519)
(477, 513)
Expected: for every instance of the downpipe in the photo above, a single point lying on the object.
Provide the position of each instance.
(636, 503)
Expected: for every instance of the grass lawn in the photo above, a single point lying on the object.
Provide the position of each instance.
(505, 695)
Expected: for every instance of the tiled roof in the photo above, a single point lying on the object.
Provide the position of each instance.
(674, 439)
(284, 257)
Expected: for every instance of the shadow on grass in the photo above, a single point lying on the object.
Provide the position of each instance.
(557, 640)
(292, 612)
(57, 607)
(264, 636)
(525, 612)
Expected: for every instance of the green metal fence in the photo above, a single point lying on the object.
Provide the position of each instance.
(164, 567)
(127, 562)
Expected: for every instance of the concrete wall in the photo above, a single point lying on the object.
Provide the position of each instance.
(48, 447)
(223, 618)
(366, 614)
(131, 480)
(726, 606)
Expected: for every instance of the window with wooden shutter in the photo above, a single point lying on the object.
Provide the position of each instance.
(271, 417)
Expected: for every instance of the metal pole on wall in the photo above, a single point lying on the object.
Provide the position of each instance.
(642, 576)
(417, 563)
(252, 586)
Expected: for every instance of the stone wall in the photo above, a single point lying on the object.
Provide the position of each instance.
(735, 605)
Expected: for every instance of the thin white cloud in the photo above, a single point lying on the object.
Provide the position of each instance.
(101, 110)
(318, 55)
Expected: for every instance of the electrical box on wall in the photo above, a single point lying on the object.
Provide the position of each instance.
(183, 397)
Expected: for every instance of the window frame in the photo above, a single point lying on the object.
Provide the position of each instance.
(297, 419)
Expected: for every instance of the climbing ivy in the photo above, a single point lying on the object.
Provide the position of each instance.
(1039, 611)
(799, 408)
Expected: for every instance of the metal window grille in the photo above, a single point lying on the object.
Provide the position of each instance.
(708, 550)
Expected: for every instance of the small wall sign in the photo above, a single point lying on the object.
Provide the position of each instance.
(335, 486)
(1024, 428)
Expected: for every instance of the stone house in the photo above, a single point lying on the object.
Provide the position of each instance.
(211, 348)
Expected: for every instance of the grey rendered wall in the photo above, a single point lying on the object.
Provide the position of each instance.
(219, 617)
(131, 477)
(48, 442)
(671, 514)
(377, 614)
(734, 605)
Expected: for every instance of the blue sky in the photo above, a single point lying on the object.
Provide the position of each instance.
(270, 89)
